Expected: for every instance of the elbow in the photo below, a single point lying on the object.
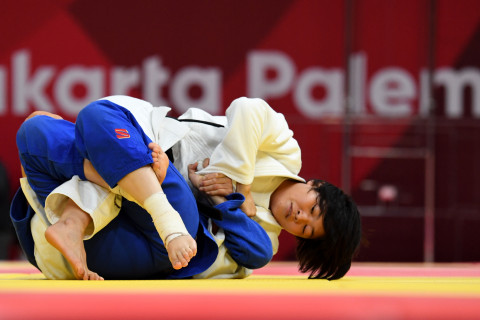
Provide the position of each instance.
(251, 255)
(259, 257)
(260, 261)
(248, 106)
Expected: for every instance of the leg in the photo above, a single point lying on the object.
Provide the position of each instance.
(127, 163)
(159, 166)
(141, 185)
(132, 244)
(67, 237)
(48, 158)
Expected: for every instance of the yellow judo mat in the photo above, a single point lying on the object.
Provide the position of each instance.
(278, 291)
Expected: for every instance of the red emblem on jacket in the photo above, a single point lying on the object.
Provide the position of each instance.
(122, 133)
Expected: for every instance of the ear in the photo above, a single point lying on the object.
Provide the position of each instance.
(310, 182)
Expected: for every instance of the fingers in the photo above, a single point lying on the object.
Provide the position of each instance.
(193, 167)
(195, 178)
(213, 184)
(206, 162)
(216, 184)
(216, 178)
(216, 190)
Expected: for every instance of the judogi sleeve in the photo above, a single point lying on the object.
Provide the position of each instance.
(246, 241)
(256, 136)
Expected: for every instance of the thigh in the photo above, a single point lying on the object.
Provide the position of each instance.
(110, 137)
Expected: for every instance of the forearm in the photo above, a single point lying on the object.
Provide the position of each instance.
(246, 241)
(217, 200)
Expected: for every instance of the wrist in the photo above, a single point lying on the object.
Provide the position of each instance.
(218, 199)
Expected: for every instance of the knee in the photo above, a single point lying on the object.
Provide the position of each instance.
(88, 112)
(96, 113)
(29, 128)
(21, 139)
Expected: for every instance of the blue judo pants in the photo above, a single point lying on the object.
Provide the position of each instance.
(52, 151)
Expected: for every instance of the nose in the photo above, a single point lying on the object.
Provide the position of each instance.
(301, 216)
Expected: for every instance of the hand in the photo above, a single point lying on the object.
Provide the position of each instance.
(160, 161)
(216, 184)
(181, 250)
(212, 184)
(195, 178)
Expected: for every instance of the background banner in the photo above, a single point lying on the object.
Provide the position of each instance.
(379, 93)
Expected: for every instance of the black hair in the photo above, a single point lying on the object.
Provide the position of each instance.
(330, 256)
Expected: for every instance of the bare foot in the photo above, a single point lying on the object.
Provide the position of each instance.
(181, 250)
(160, 161)
(66, 238)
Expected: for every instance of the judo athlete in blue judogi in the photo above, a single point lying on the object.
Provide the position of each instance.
(129, 246)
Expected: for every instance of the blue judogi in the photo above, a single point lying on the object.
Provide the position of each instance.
(48, 154)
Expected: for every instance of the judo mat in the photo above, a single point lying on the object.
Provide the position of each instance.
(277, 291)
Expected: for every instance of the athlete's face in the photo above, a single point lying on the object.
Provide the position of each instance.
(295, 207)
